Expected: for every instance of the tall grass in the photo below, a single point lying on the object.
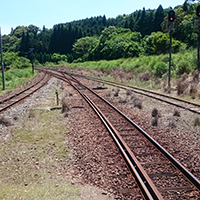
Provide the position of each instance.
(157, 65)
(16, 77)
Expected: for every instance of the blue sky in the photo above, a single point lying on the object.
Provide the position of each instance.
(50, 12)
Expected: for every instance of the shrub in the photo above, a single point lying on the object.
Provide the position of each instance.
(182, 67)
(160, 69)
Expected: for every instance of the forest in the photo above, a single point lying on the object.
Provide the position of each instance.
(143, 32)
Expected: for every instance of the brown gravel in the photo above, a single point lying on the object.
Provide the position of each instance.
(92, 160)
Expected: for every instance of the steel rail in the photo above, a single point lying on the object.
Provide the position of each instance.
(20, 92)
(149, 190)
(138, 91)
(147, 186)
(25, 96)
(179, 166)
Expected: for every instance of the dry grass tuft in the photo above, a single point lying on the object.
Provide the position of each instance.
(5, 121)
(145, 76)
(128, 92)
(155, 114)
(176, 113)
(184, 77)
(197, 121)
(108, 94)
(193, 91)
(172, 124)
(137, 102)
(196, 76)
(154, 121)
(31, 114)
(116, 93)
(123, 101)
(181, 87)
(65, 105)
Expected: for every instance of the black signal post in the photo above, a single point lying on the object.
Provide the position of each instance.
(198, 38)
(198, 11)
(171, 18)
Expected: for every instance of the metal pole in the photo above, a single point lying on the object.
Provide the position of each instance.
(170, 58)
(2, 63)
(198, 46)
(57, 98)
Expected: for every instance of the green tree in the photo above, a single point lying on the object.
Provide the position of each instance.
(82, 49)
(159, 17)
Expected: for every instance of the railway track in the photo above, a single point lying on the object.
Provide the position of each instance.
(16, 98)
(178, 102)
(159, 174)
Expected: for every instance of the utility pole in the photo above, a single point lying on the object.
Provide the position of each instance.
(2, 63)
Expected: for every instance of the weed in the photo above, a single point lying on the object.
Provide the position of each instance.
(108, 94)
(154, 121)
(154, 113)
(116, 93)
(172, 124)
(176, 113)
(145, 76)
(193, 90)
(196, 76)
(184, 77)
(31, 114)
(5, 121)
(128, 92)
(197, 121)
(181, 87)
(65, 105)
(137, 102)
(123, 100)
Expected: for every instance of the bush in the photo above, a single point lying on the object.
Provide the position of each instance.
(182, 67)
(12, 61)
(160, 69)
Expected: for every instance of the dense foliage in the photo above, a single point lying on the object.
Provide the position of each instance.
(141, 33)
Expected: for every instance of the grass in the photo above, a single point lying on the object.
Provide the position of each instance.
(15, 77)
(156, 64)
(34, 160)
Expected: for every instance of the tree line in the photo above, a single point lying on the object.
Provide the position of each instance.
(95, 38)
